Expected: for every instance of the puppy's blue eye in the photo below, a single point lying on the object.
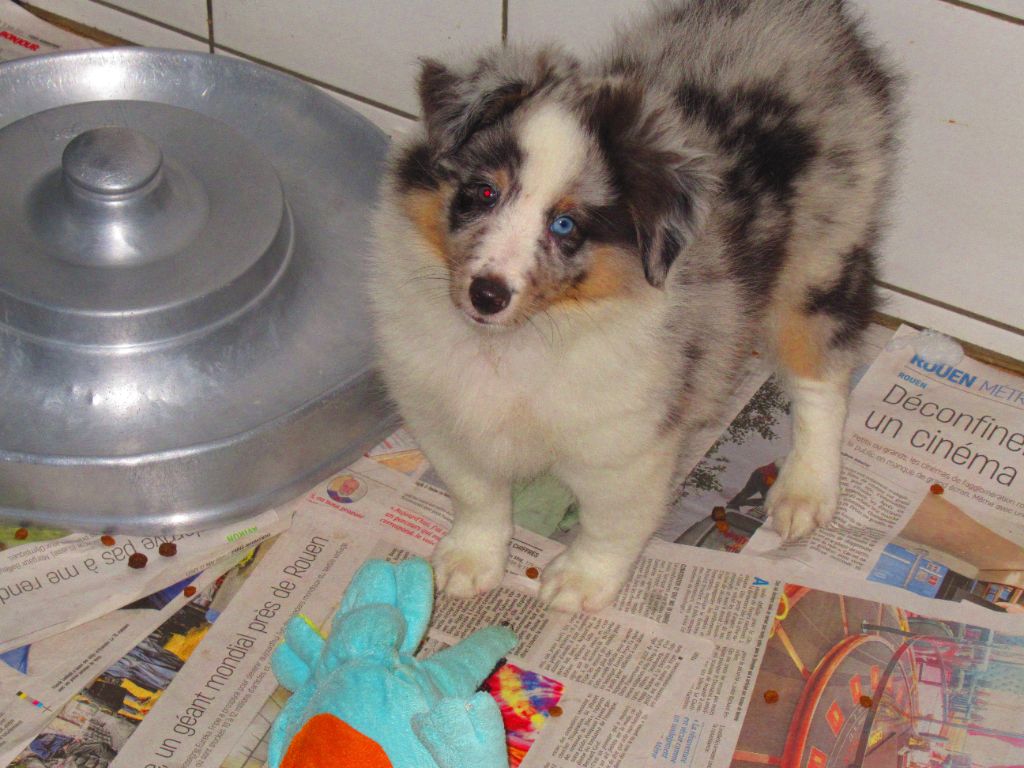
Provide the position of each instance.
(562, 226)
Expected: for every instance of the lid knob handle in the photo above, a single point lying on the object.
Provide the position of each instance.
(111, 161)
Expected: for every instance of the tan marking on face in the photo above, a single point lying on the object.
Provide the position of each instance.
(565, 204)
(613, 272)
(802, 344)
(502, 179)
(426, 211)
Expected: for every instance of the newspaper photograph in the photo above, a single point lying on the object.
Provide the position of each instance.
(739, 468)
(37, 681)
(849, 681)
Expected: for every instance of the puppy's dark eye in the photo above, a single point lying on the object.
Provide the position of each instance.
(486, 195)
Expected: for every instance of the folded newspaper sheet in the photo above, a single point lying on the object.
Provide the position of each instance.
(79, 578)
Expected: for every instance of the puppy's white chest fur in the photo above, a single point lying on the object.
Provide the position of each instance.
(524, 401)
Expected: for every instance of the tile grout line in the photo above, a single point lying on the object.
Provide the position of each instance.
(951, 308)
(984, 11)
(148, 20)
(321, 84)
(209, 25)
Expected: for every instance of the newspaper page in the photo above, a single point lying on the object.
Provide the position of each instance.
(79, 577)
(22, 34)
(37, 680)
(92, 726)
(587, 683)
(931, 499)
(848, 674)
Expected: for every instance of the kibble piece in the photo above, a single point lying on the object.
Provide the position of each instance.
(532, 572)
(866, 702)
(722, 526)
(555, 711)
(936, 489)
(137, 560)
(718, 513)
(189, 591)
(771, 696)
(107, 540)
(168, 549)
(21, 533)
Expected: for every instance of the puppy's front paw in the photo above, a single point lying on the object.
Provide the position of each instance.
(573, 583)
(803, 498)
(468, 563)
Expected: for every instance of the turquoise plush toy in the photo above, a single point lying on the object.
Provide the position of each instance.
(361, 700)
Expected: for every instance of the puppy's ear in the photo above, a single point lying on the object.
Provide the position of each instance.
(457, 103)
(664, 186)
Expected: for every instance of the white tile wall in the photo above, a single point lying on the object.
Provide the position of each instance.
(959, 216)
(959, 224)
(393, 125)
(928, 315)
(189, 15)
(122, 25)
(1013, 8)
(368, 48)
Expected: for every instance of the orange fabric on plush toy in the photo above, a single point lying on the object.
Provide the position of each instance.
(327, 742)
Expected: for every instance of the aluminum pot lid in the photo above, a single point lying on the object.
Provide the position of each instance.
(183, 331)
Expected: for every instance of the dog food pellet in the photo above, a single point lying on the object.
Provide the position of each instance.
(2, 546)
(555, 711)
(107, 540)
(532, 572)
(771, 696)
(937, 489)
(21, 533)
(718, 513)
(866, 702)
(722, 526)
(137, 560)
(168, 549)
(189, 591)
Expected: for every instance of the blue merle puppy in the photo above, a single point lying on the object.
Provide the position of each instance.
(574, 259)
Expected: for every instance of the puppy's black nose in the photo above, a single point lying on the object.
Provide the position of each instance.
(489, 295)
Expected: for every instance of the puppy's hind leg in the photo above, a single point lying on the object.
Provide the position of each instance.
(620, 508)
(806, 493)
(471, 558)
